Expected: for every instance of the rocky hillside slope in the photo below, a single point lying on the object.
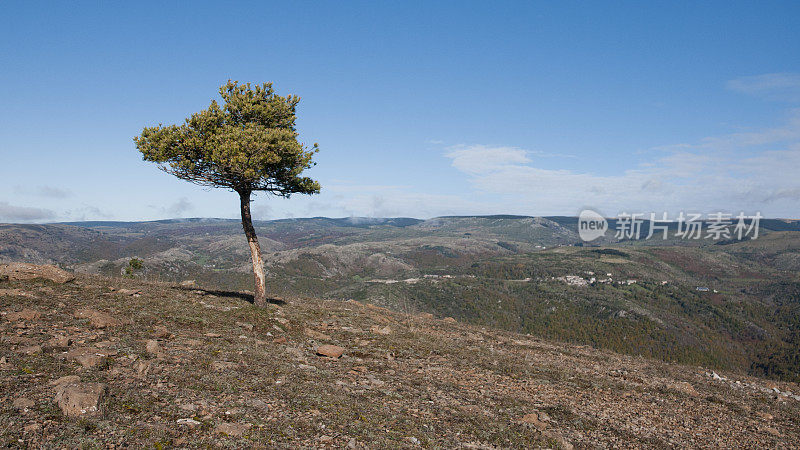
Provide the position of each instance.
(101, 362)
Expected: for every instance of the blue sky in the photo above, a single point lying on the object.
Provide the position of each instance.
(420, 108)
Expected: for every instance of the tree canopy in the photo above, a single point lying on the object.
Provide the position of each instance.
(248, 144)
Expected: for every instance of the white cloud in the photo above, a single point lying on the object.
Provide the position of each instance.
(724, 173)
(12, 213)
(474, 159)
(181, 206)
(770, 86)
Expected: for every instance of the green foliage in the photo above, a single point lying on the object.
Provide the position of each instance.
(248, 144)
(134, 265)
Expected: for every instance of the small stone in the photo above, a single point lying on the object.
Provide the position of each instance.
(23, 404)
(331, 351)
(152, 347)
(232, 429)
(449, 320)
(279, 340)
(32, 428)
(534, 420)
(426, 316)
(26, 314)
(78, 399)
(97, 319)
(765, 415)
(686, 388)
(88, 357)
(245, 325)
(31, 350)
(382, 331)
(161, 332)
(412, 440)
(189, 283)
(188, 422)
(132, 292)
(65, 380)
(314, 334)
(58, 342)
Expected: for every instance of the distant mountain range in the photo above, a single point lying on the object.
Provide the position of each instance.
(525, 274)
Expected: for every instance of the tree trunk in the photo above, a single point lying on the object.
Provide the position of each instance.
(260, 296)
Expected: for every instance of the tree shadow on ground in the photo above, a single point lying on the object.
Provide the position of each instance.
(232, 294)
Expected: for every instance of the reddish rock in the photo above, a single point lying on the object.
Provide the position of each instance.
(26, 314)
(382, 331)
(58, 342)
(152, 347)
(534, 420)
(31, 350)
(80, 399)
(161, 332)
(97, 319)
(331, 351)
(88, 357)
(23, 404)
(24, 271)
(314, 334)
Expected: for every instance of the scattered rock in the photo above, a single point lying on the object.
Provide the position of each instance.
(765, 415)
(382, 331)
(24, 271)
(188, 422)
(87, 357)
(79, 399)
(245, 325)
(23, 404)
(331, 351)
(143, 368)
(232, 429)
(686, 388)
(69, 379)
(152, 346)
(412, 440)
(31, 350)
(97, 319)
(534, 420)
(58, 342)
(132, 292)
(161, 332)
(26, 314)
(314, 334)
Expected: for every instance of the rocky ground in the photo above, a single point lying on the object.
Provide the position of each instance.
(100, 362)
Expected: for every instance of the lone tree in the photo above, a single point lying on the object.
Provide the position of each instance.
(247, 145)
